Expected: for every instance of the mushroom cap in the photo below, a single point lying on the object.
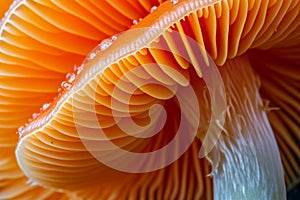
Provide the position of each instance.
(37, 50)
(37, 47)
(225, 29)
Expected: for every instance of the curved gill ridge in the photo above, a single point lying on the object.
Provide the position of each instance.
(36, 53)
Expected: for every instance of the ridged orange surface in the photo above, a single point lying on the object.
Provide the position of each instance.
(32, 28)
(42, 41)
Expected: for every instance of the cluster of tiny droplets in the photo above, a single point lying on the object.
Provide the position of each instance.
(34, 115)
(135, 22)
(70, 78)
(107, 43)
(21, 130)
(67, 84)
(44, 107)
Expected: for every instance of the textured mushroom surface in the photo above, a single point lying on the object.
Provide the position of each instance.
(37, 50)
(255, 44)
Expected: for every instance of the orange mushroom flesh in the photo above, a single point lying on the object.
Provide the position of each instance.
(4, 7)
(51, 138)
(37, 48)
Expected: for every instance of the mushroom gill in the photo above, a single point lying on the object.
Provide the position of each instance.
(107, 105)
(41, 41)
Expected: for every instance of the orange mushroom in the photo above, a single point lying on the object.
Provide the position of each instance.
(127, 80)
(37, 48)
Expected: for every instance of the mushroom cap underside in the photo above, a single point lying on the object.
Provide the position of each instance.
(253, 28)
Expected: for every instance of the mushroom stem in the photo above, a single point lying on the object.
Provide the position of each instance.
(246, 161)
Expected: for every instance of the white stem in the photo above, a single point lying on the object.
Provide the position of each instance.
(246, 159)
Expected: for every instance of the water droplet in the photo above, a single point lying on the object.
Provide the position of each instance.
(59, 90)
(79, 69)
(114, 38)
(45, 106)
(35, 115)
(66, 85)
(70, 77)
(135, 22)
(140, 19)
(174, 1)
(153, 9)
(105, 44)
(92, 55)
(21, 130)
